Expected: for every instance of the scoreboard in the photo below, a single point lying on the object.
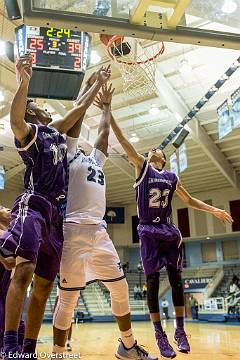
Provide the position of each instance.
(61, 51)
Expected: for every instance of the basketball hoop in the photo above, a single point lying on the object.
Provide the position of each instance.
(136, 63)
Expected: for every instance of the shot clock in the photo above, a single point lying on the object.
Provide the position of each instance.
(60, 59)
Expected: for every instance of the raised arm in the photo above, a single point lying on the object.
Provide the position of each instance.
(200, 205)
(74, 132)
(22, 131)
(103, 101)
(71, 118)
(134, 157)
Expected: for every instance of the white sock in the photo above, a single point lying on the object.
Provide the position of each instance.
(58, 349)
(127, 338)
(68, 342)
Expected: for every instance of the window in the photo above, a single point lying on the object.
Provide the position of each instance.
(209, 252)
(183, 222)
(135, 222)
(230, 250)
(235, 210)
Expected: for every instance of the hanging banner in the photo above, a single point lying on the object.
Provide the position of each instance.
(235, 97)
(2, 178)
(174, 163)
(212, 91)
(224, 120)
(183, 164)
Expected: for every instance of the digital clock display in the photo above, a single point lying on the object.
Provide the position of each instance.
(54, 48)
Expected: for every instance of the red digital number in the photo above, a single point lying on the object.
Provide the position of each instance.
(77, 62)
(34, 58)
(40, 44)
(74, 48)
(36, 44)
(33, 43)
(78, 48)
(71, 47)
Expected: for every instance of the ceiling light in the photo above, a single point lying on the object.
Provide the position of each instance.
(229, 6)
(1, 96)
(95, 57)
(185, 67)
(134, 138)
(2, 48)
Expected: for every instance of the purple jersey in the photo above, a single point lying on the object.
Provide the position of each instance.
(154, 191)
(46, 162)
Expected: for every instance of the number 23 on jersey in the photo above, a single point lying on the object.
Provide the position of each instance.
(96, 176)
(155, 196)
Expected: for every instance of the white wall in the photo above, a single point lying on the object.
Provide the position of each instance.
(122, 233)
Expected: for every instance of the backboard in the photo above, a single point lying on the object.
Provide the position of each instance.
(199, 22)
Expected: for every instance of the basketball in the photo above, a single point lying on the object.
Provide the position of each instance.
(105, 39)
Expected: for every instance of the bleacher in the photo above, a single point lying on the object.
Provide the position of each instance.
(223, 288)
(95, 298)
(51, 302)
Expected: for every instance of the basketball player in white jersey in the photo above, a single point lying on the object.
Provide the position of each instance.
(88, 253)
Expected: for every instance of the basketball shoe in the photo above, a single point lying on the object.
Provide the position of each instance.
(181, 340)
(165, 348)
(136, 352)
(68, 346)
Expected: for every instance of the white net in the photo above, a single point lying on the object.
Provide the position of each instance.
(137, 64)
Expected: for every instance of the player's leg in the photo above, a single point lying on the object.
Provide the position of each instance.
(8, 262)
(105, 264)
(153, 256)
(69, 338)
(121, 310)
(62, 318)
(165, 348)
(14, 304)
(5, 277)
(72, 278)
(175, 279)
(40, 292)
(128, 348)
(21, 334)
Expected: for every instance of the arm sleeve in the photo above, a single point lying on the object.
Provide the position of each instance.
(72, 147)
(99, 156)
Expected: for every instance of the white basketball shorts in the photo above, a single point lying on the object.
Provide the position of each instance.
(88, 255)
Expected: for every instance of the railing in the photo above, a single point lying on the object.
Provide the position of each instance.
(236, 295)
(213, 284)
(99, 297)
(220, 304)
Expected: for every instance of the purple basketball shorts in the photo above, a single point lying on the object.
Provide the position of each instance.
(161, 245)
(35, 234)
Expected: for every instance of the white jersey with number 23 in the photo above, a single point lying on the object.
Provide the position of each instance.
(86, 199)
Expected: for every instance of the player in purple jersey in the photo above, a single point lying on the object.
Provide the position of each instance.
(161, 241)
(5, 277)
(34, 239)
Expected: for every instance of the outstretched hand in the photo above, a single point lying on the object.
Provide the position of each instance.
(103, 74)
(223, 215)
(24, 68)
(104, 97)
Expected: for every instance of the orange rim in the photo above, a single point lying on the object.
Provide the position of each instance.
(116, 38)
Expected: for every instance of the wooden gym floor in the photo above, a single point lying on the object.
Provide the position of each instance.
(99, 341)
